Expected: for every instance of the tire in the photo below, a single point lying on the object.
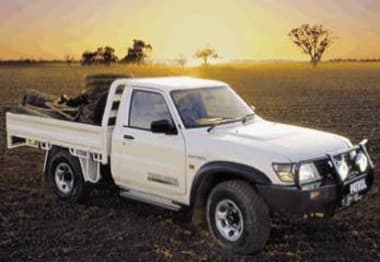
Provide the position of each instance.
(98, 83)
(64, 176)
(92, 113)
(238, 205)
(86, 114)
(101, 77)
(37, 98)
(99, 109)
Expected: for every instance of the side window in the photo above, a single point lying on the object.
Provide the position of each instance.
(147, 107)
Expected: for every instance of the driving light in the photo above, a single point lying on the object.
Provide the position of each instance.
(284, 172)
(361, 162)
(342, 169)
(308, 173)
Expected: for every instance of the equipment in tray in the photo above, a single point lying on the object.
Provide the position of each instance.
(88, 107)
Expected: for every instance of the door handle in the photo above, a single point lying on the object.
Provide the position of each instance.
(129, 137)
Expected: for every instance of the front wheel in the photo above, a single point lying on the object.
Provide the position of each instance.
(237, 217)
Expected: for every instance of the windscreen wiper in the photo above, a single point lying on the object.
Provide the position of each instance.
(247, 117)
(224, 120)
(244, 119)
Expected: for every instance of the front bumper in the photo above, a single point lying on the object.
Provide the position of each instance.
(315, 200)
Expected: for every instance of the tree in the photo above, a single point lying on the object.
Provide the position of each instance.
(88, 58)
(69, 59)
(206, 53)
(138, 52)
(103, 55)
(313, 40)
(109, 56)
(181, 60)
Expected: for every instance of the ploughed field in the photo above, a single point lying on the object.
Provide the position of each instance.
(341, 98)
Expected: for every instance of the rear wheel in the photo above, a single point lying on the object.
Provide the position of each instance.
(237, 217)
(65, 177)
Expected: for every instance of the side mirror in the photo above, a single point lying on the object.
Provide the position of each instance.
(163, 127)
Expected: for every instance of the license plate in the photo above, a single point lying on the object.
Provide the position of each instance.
(358, 186)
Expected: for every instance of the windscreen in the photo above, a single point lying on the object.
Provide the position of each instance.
(206, 106)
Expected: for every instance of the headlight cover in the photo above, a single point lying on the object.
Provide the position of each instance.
(285, 172)
(308, 173)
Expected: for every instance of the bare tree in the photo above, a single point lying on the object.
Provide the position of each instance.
(206, 53)
(313, 40)
(69, 59)
(181, 60)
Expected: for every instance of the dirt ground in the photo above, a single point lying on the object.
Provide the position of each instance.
(35, 226)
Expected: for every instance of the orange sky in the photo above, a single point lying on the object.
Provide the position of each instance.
(236, 28)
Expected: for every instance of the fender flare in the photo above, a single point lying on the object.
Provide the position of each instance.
(211, 170)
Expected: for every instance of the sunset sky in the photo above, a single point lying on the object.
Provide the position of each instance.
(237, 29)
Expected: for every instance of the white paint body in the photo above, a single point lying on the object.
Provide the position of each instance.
(257, 143)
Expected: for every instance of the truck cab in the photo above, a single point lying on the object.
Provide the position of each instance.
(156, 142)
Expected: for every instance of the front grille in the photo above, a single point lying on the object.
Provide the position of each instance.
(326, 169)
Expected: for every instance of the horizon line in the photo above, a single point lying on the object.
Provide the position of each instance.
(41, 59)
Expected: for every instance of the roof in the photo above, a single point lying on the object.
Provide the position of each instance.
(174, 83)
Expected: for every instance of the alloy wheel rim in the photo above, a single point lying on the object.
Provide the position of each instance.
(229, 220)
(64, 178)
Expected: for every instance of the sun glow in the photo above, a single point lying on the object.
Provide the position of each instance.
(236, 29)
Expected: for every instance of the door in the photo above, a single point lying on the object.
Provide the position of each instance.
(148, 161)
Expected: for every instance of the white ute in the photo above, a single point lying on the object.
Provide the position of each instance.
(180, 142)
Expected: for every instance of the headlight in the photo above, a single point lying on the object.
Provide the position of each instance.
(361, 162)
(308, 173)
(285, 172)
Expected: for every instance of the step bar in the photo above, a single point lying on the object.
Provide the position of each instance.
(150, 199)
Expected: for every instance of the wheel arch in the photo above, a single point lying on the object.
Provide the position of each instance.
(92, 171)
(213, 173)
